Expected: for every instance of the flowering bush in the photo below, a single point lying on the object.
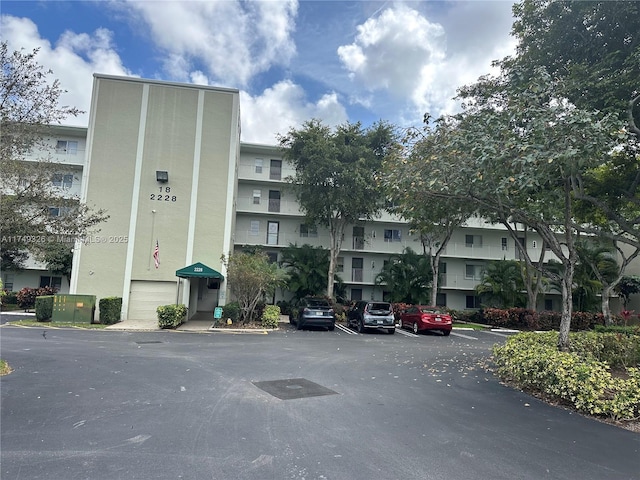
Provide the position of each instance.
(27, 296)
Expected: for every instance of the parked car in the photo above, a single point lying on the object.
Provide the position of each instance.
(314, 312)
(420, 318)
(368, 315)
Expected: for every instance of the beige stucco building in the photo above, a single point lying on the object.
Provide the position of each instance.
(161, 159)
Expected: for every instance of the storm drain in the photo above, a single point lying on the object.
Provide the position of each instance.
(148, 342)
(293, 388)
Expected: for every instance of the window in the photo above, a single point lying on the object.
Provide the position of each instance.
(8, 282)
(548, 304)
(392, 235)
(504, 244)
(358, 238)
(473, 301)
(356, 269)
(54, 282)
(308, 231)
(356, 294)
(54, 211)
(340, 265)
(272, 233)
(67, 147)
(256, 197)
(473, 241)
(60, 180)
(258, 165)
(274, 200)
(275, 170)
(442, 274)
(441, 299)
(255, 228)
(473, 272)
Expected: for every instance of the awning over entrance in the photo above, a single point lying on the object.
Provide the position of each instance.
(199, 270)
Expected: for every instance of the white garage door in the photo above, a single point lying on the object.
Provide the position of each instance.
(146, 296)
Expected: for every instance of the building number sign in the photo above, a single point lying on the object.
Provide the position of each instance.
(164, 195)
(197, 269)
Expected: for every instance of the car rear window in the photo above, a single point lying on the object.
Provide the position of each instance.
(431, 310)
(379, 306)
(318, 303)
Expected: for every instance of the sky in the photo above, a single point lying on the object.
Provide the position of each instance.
(291, 60)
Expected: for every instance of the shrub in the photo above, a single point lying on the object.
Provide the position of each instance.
(579, 377)
(27, 296)
(285, 307)
(231, 311)
(10, 298)
(270, 316)
(110, 308)
(170, 316)
(44, 307)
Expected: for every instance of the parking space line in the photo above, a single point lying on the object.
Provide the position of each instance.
(463, 336)
(346, 329)
(406, 333)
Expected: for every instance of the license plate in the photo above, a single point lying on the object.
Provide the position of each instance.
(380, 322)
(319, 313)
(438, 319)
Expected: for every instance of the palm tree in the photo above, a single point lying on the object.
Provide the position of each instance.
(407, 276)
(502, 285)
(307, 268)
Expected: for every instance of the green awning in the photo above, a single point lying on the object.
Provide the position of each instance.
(199, 270)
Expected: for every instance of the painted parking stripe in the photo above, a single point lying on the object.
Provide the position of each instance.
(406, 333)
(463, 336)
(345, 329)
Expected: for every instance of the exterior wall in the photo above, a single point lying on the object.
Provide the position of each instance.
(138, 127)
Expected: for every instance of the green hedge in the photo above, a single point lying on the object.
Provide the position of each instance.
(170, 316)
(110, 308)
(581, 377)
(231, 311)
(44, 308)
(270, 316)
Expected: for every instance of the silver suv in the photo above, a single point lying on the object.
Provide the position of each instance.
(366, 315)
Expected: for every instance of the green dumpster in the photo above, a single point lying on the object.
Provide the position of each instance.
(73, 308)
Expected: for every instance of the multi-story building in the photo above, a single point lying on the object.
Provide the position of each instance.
(166, 162)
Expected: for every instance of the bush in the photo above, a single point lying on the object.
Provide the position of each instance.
(231, 311)
(579, 377)
(44, 307)
(27, 296)
(285, 307)
(170, 316)
(110, 308)
(270, 316)
(10, 298)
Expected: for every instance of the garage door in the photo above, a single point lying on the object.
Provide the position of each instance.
(146, 296)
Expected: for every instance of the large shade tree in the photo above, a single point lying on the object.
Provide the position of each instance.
(334, 176)
(29, 106)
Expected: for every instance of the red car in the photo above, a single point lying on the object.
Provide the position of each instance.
(421, 317)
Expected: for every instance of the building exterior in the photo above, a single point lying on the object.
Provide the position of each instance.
(181, 190)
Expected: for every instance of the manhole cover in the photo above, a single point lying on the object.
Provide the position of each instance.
(150, 341)
(293, 388)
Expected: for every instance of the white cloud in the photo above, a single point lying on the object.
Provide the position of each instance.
(284, 106)
(73, 59)
(230, 40)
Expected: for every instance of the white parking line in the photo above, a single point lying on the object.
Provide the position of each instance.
(345, 329)
(406, 333)
(463, 336)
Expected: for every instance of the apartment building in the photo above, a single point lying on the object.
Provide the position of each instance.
(166, 162)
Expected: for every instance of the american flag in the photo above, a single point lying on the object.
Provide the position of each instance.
(156, 255)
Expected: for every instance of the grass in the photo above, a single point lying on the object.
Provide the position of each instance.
(35, 323)
(5, 369)
(474, 326)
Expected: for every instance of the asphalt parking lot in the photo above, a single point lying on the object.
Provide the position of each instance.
(291, 404)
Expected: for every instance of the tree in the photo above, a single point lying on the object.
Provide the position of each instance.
(306, 268)
(408, 277)
(251, 278)
(333, 179)
(434, 219)
(502, 284)
(29, 106)
(58, 256)
(627, 286)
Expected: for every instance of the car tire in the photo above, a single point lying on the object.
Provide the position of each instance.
(446, 333)
(298, 325)
(332, 327)
(361, 328)
(400, 324)
(391, 331)
(415, 328)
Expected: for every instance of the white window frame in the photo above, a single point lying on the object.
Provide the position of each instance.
(254, 228)
(259, 164)
(257, 195)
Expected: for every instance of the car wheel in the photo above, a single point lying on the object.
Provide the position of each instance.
(400, 324)
(415, 327)
(391, 331)
(299, 325)
(332, 327)
(361, 328)
(446, 333)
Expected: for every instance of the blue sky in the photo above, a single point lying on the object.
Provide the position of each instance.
(291, 60)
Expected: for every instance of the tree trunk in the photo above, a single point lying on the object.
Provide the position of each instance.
(606, 308)
(567, 308)
(435, 269)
